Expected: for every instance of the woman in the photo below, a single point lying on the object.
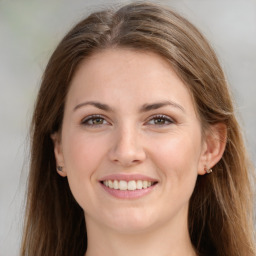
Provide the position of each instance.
(135, 146)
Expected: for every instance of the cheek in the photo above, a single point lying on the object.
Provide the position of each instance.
(82, 156)
(180, 150)
(82, 153)
(177, 159)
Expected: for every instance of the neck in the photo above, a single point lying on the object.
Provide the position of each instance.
(168, 239)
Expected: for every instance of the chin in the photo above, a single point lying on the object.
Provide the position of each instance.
(131, 221)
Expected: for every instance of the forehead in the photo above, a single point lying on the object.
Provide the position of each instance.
(120, 60)
(136, 74)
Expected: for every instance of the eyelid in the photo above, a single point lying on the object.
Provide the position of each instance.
(91, 117)
(167, 118)
(161, 116)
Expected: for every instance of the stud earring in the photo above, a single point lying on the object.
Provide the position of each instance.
(59, 168)
(209, 170)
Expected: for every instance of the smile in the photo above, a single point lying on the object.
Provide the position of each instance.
(128, 185)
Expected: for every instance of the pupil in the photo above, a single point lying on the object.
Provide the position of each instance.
(159, 121)
(98, 121)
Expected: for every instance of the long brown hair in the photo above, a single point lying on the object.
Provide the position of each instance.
(220, 210)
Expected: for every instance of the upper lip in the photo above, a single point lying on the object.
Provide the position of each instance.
(127, 177)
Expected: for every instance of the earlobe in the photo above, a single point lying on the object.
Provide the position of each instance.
(214, 147)
(58, 154)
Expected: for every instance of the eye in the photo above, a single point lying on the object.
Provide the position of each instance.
(160, 120)
(94, 120)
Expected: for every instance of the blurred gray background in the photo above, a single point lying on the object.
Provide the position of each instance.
(29, 32)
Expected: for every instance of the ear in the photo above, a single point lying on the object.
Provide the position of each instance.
(56, 138)
(213, 147)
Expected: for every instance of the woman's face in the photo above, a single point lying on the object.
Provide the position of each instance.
(131, 143)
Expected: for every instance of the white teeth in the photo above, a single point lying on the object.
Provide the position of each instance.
(139, 184)
(115, 184)
(144, 184)
(110, 184)
(130, 185)
(122, 185)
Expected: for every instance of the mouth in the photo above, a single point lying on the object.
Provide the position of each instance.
(130, 185)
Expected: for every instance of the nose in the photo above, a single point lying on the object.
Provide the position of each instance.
(127, 149)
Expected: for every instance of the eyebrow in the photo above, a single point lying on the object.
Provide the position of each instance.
(95, 104)
(144, 108)
(157, 105)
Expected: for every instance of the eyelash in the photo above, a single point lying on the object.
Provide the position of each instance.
(162, 118)
(92, 118)
(167, 120)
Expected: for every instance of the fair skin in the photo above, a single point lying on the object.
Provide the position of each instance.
(127, 114)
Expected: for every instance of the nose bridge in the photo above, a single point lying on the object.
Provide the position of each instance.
(127, 146)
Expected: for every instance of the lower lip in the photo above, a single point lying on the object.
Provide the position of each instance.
(128, 194)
